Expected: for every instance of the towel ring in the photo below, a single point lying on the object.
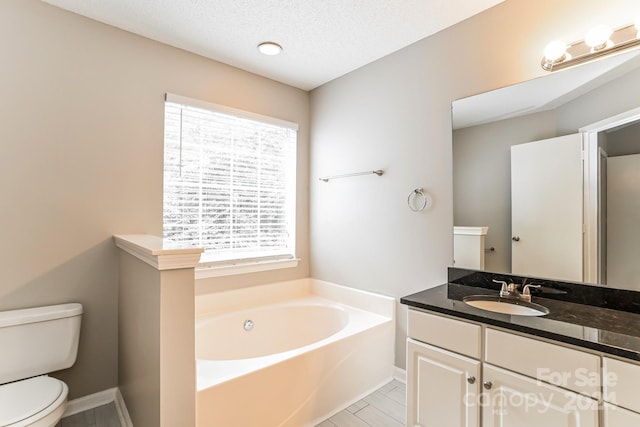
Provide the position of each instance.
(413, 196)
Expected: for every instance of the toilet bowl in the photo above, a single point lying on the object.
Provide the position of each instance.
(34, 342)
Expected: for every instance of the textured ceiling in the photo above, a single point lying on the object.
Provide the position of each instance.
(322, 39)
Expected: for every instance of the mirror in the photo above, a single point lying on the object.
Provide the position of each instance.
(598, 100)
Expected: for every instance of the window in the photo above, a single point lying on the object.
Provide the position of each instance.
(229, 182)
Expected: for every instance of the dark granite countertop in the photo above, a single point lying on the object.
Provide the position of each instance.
(593, 317)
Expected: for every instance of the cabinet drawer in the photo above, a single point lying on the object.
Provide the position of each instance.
(460, 337)
(620, 383)
(551, 363)
(618, 417)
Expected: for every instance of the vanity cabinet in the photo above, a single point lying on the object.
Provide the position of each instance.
(461, 373)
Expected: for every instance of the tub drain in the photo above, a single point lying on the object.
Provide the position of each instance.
(248, 325)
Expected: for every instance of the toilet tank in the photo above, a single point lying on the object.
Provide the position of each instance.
(35, 341)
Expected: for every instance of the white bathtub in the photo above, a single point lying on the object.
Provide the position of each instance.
(314, 349)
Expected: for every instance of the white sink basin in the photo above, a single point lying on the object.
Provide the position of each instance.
(505, 305)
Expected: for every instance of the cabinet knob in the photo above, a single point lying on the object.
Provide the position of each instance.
(516, 238)
(471, 380)
(487, 385)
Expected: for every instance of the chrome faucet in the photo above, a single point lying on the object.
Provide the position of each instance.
(511, 290)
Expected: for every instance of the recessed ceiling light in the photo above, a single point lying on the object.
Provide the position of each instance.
(270, 48)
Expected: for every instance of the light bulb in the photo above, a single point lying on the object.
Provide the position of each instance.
(270, 48)
(598, 37)
(555, 51)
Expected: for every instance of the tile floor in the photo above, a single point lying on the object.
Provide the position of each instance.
(102, 416)
(384, 407)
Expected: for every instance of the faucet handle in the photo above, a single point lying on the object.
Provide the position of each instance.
(526, 292)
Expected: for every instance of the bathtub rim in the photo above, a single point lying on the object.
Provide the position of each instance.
(269, 293)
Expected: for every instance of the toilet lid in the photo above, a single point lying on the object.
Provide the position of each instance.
(22, 399)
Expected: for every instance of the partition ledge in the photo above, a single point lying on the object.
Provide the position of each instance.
(159, 253)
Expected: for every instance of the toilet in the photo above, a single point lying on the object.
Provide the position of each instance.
(34, 342)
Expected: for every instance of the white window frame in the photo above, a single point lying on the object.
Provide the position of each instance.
(242, 265)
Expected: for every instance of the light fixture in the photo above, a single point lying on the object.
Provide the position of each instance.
(270, 48)
(555, 52)
(598, 38)
(599, 41)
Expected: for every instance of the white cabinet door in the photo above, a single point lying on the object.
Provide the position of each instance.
(442, 388)
(512, 400)
(546, 208)
(619, 417)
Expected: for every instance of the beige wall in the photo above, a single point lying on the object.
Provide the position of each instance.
(394, 114)
(81, 151)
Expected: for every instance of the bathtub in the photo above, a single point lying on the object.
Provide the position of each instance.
(289, 354)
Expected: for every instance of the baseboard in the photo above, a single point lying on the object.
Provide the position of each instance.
(123, 414)
(113, 395)
(98, 399)
(91, 401)
(400, 374)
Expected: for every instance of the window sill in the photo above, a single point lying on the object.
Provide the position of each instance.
(243, 267)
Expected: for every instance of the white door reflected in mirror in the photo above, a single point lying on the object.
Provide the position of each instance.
(546, 208)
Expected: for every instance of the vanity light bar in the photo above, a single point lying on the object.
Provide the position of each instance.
(602, 42)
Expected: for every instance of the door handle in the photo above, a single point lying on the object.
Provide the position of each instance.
(516, 238)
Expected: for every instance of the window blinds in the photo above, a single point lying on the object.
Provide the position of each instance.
(229, 181)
